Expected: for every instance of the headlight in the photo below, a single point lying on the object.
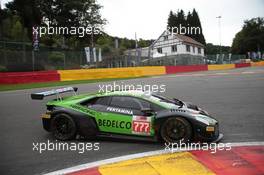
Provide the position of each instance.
(210, 128)
(205, 119)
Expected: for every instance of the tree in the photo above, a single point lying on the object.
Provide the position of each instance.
(250, 38)
(196, 23)
(3, 16)
(214, 49)
(189, 21)
(28, 11)
(12, 29)
(192, 20)
(63, 13)
(181, 19)
(143, 43)
(171, 19)
(17, 31)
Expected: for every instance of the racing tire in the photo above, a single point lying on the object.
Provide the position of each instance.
(63, 127)
(176, 130)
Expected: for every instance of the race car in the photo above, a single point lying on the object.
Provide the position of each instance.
(129, 114)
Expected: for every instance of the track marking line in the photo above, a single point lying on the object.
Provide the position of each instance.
(134, 156)
(222, 73)
(198, 74)
(248, 72)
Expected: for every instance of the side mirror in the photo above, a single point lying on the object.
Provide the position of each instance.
(147, 111)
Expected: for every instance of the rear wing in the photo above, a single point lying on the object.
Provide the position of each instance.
(57, 92)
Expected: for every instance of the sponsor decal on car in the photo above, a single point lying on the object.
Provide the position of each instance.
(141, 125)
(114, 124)
(119, 110)
(83, 109)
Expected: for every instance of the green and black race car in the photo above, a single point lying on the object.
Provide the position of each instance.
(126, 114)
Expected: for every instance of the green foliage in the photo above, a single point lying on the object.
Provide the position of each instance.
(106, 43)
(143, 43)
(72, 13)
(17, 31)
(29, 12)
(56, 57)
(65, 13)
(12, 29)
(215, 49)
(250, 38)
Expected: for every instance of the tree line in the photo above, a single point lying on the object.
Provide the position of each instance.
(250, 38)
(19, 16)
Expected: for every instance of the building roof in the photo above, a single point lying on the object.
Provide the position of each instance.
(183, 38)
(188, 40)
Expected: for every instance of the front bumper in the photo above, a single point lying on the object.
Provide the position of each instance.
(202, 134)
(219, 138)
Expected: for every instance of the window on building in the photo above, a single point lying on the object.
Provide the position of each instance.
(193, 49)
(174, 48)
(165, 37)
(188, 48)
(199, 50)
(159, 50)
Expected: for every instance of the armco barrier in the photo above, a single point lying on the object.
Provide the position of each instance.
(106, 73)
(221, 66)
(28, 77)
(261, 63)
(240, 65)
(178, 69)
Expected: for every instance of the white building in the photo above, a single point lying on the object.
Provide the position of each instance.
(168, 44)
(178, 47)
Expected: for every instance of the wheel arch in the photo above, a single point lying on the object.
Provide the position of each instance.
(84, 122)
(161, 119)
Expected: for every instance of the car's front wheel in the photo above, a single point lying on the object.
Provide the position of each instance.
(176, 129)
(63, 127)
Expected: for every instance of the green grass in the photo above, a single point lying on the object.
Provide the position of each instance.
(51, 84)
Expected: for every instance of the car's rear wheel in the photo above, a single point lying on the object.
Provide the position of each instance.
(63, 127)
(176, 129)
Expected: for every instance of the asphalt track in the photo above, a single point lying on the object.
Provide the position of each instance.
(235, 97)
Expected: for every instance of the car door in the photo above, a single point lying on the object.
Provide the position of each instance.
(124, 116)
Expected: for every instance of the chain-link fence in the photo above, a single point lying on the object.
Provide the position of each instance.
(224, 58)
(18, 56)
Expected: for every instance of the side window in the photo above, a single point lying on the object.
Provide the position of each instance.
(156, 108)
(146, 104)
(125, 102)
(97, 101)
(103, 101)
